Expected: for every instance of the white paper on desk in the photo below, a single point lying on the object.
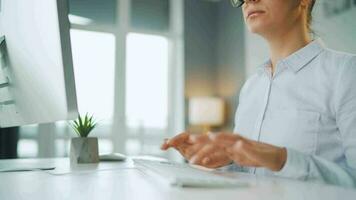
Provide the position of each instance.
(26, 167)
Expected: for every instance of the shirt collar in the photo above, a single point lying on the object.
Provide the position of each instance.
(299, 59)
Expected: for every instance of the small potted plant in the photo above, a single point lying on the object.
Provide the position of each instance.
(84, 149)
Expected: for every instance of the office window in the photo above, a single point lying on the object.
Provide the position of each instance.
(150, 15)
(146, 81)
(27, 148)
(97, 62)
(88, 12)
(62, 147)
(94, 66)
(27, 145)
(133, 146)
(105, 146)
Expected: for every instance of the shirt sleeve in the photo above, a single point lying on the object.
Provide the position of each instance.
(312, 167)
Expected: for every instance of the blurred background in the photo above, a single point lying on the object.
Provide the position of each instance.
(150, 69)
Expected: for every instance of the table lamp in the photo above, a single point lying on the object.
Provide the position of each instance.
(206, 112)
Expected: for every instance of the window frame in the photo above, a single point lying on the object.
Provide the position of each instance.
(119, 133)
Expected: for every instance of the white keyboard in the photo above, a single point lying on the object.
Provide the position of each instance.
(185, 175)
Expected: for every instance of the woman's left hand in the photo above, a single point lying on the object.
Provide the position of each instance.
(246, 152)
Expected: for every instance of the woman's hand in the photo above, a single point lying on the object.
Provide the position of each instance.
(194, 148)
(216, 150)
(250, 153)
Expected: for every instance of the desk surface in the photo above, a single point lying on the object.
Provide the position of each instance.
(122, 180)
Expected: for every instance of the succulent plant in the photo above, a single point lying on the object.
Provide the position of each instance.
(83, 125)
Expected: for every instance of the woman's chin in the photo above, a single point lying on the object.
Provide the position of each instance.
(256, 29)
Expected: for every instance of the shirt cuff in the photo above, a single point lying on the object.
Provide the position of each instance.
(296, 166)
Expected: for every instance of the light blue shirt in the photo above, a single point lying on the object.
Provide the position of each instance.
(309, 107)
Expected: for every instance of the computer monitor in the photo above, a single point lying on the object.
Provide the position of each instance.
(36, 73)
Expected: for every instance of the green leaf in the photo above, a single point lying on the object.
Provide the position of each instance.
(80, 120)
(83, 125)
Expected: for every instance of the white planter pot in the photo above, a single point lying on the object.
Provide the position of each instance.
(84, 150)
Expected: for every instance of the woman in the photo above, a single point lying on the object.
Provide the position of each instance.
(297, 115)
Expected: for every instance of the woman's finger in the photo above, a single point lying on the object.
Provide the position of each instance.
(202, 153)
(182, 148)
(217, 159)
(192, 150)
(177, 140)
(165, 145)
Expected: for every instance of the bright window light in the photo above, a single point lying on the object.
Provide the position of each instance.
(94, 65)
(27, 148)
(146, 81)
(74, 19)
(62, 147)
(105, 146)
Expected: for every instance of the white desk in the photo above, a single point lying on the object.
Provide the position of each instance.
(122, 180)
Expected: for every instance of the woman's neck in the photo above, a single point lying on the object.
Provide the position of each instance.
(284, 44)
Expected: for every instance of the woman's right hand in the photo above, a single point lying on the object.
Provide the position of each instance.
(195, 147)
